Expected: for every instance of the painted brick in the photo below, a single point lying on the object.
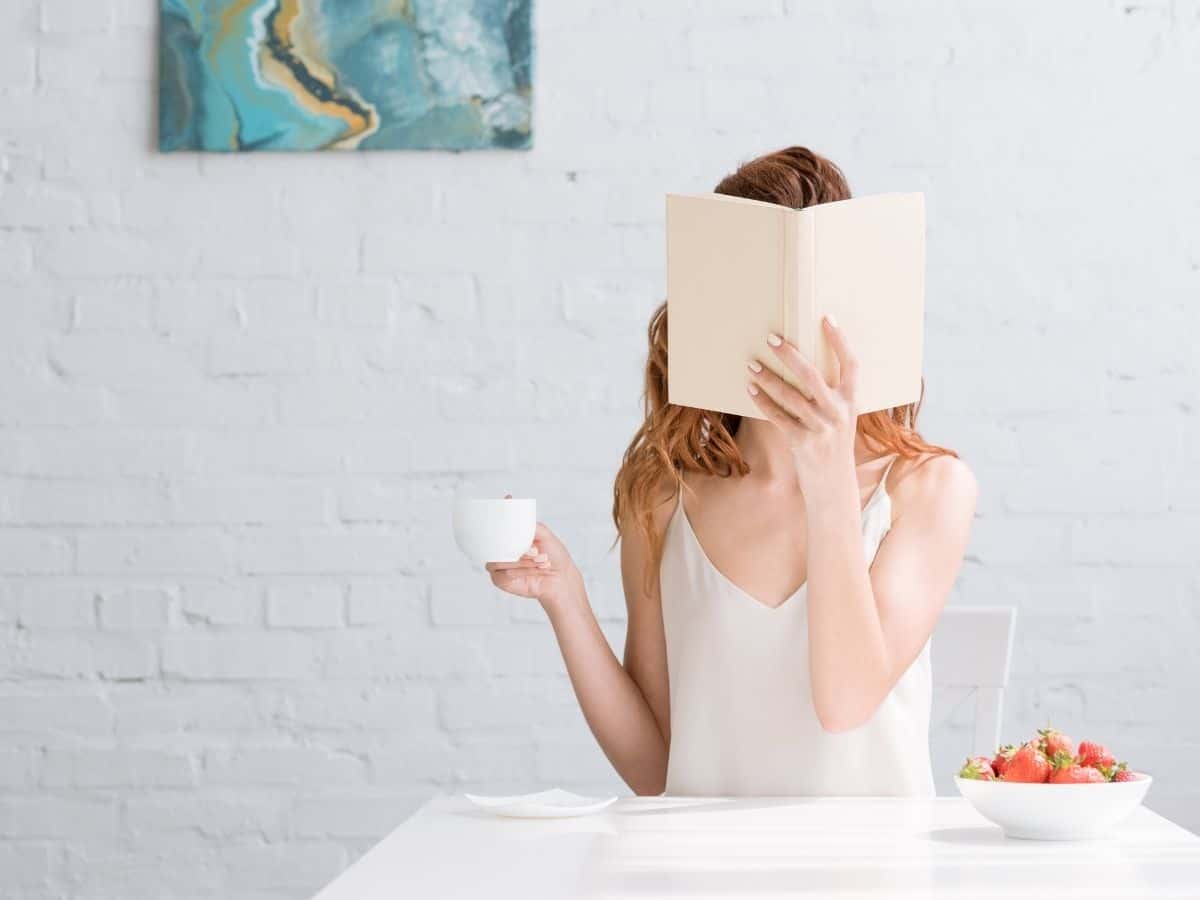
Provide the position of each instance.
(55, 714)
(98, 767)
(136, 608)
(402, 602)
(305, 605)
(409, 654)
(246, 502)
(41, 208)
(227, 813)
(508, 704)
(282, 765)
(18, 769)
(43, 606)
(76, 16)
(78, 656)
(27, 865)
(104, 306)
(105, 452)
(171, 713)
(358, 303)
(280, 553)
(87, 503)
(467, 600)
(222, 604)
(31, 552)
(155, 552)
(271, 451)
(332, 708)
(56, 817)
(237, 657)
(245, 355)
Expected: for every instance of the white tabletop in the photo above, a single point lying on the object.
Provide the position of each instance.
(762, 848)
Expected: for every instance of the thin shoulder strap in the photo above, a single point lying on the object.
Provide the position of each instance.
(882, 486)
(888, 469)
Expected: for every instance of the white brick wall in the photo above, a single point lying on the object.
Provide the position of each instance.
(237, 393)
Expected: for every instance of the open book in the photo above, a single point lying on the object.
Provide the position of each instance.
(737, 269)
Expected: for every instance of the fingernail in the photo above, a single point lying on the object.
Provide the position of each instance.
(831, 320)
(774, 340)
(754, 366)
(752, 389)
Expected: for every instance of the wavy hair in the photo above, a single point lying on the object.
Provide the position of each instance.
(674, 440)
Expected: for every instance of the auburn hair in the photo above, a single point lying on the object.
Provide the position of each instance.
(673, 439)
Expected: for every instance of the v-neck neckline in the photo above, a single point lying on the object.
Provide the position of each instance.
(880, 490)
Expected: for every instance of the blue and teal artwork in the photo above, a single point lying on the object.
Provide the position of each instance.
(345, 74)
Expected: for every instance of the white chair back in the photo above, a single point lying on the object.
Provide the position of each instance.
(972, 648)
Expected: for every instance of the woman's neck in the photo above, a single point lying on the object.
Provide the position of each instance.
(765, 449)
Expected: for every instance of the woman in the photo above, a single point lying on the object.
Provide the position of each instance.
(782, 576)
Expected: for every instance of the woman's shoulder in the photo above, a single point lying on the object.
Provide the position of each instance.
(641, 546)
(934, 483)
(660, 501)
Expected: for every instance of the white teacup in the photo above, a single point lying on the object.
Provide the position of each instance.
(494, 530)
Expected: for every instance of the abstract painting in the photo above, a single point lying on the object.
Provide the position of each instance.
(345, 74)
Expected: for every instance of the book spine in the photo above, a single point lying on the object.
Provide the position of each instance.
(808, 286)
(798, 301)
(789, 284)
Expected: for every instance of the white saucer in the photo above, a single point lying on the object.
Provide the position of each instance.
(551, 804)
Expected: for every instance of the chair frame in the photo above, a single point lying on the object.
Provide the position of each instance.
(972, 648)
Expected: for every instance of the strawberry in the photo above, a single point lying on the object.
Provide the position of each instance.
(1000, 760)
(1053, 742)
(1118, 772)
(1028, 765)
(1093, 754)
(1073, 773)
(1064, 769)
(977, 767)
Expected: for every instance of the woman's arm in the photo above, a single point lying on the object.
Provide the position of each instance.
(865, 626)
(624, 705)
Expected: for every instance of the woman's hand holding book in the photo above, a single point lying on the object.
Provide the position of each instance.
(818, 416)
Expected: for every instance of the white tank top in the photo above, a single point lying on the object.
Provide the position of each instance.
(742, 717)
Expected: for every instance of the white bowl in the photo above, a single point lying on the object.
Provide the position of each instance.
(1054, 812)
(497, 530)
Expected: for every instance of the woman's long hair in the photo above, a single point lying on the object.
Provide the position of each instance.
(674, 440)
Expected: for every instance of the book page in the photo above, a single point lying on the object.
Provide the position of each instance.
(869, 273)
(725, 282)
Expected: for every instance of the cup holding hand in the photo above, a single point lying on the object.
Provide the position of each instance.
(522, 555)
(545, 572)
